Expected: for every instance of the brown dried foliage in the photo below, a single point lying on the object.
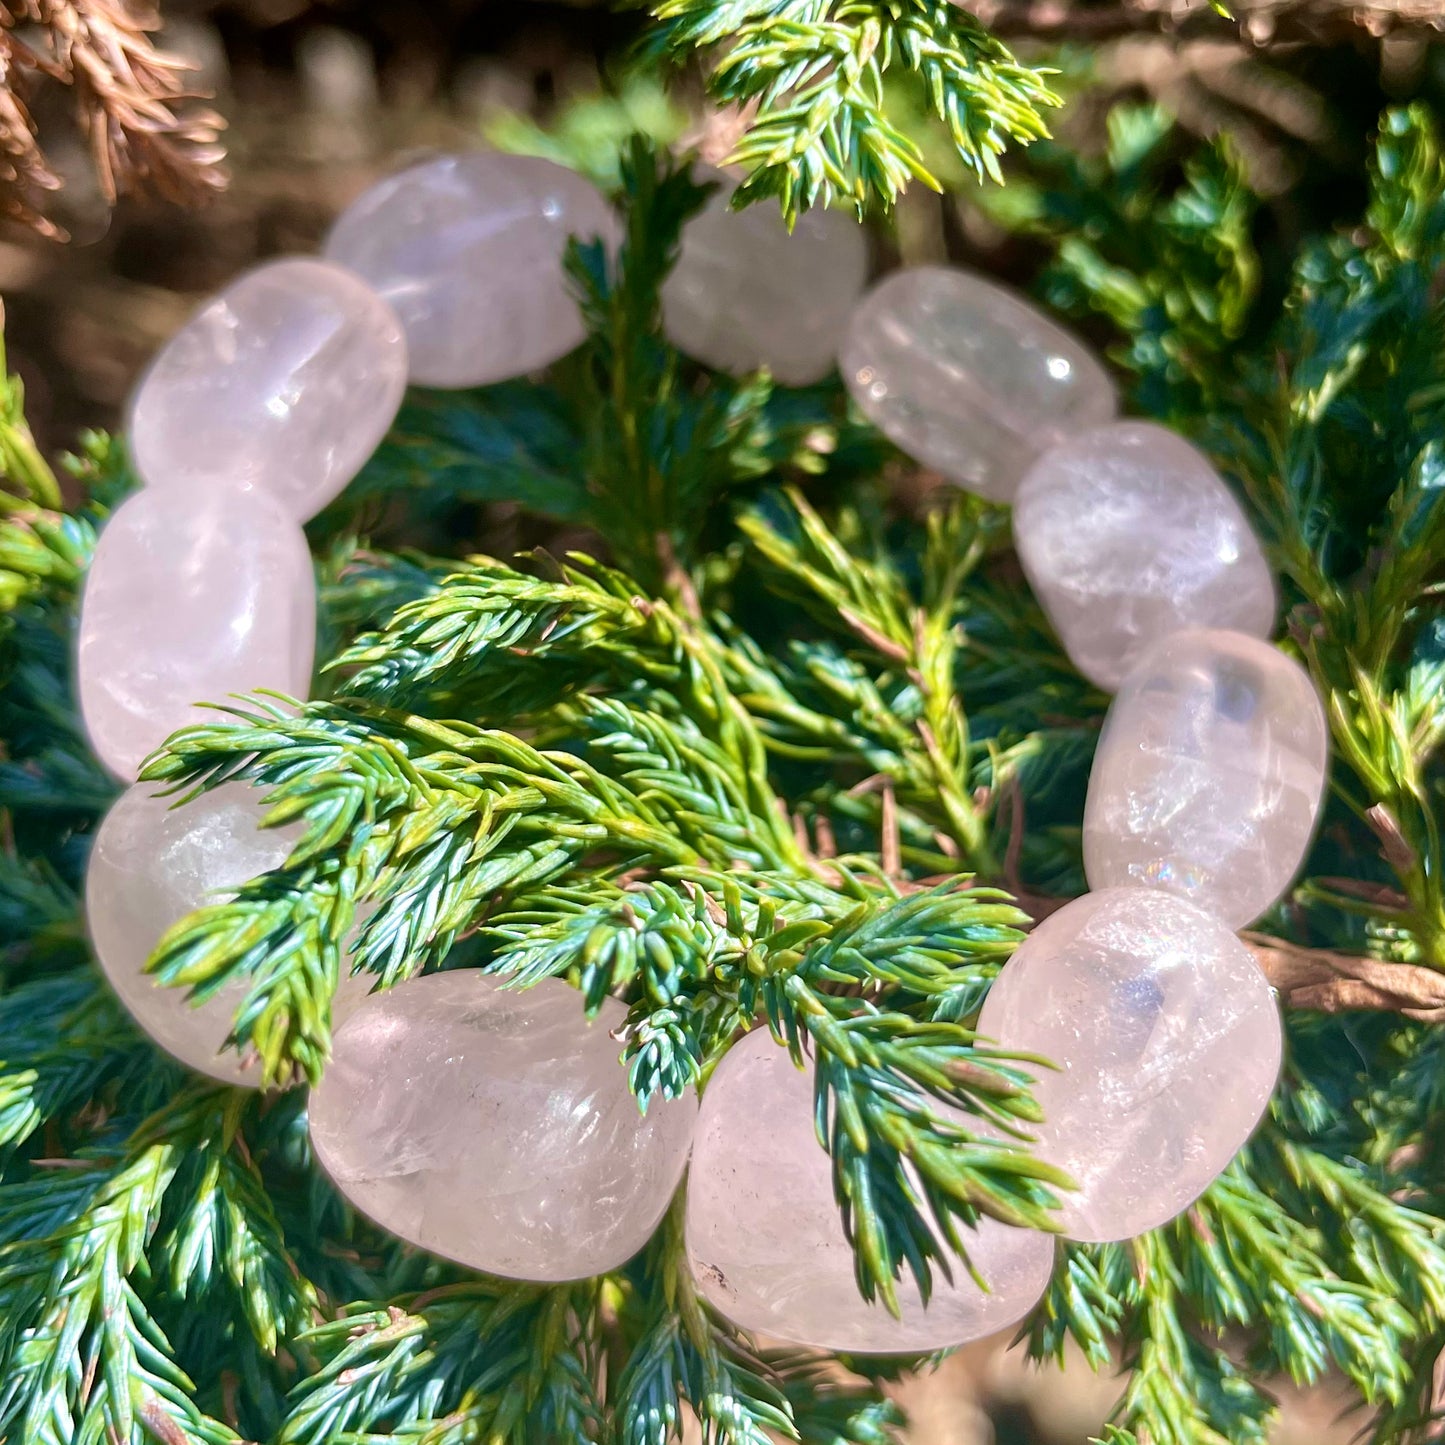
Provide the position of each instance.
(145, 128)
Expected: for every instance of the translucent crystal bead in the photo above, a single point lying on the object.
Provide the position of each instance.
(766, 1243)
(495, 1127)
(151, 864)
(468, 249)
(1127, 534)
(747, 293)
(968, 378)
(285, 383)
(1168, 1042)
(189, 599)
(1209, 774)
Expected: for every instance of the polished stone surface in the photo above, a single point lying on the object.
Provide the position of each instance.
(151, 864)
(283, 383)
(468, 251)
(766, 1243)
(495, 1127)
(189, 599)
(968, 377)
(1168, 1040)
(747, 293)
(1127, 534)
(1209, 775)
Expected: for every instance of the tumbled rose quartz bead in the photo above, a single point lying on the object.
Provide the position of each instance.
(189, 600)
(468, 250)
(747, 293)
(285, 383)
(1128, 534)
(1209, 774)
(766, 1243)
(495, 1127)
(968, 378)
(151, 864)
(1168, 1043)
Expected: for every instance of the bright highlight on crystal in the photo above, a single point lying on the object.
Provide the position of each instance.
(468, 250)
(284, 383)
(496, 1127)
(1168, 1040)
(1209, 774)
(151, 864)
(1128, 534)
(968, 378)
(766, 1242)
(190, 597)
(747, 293)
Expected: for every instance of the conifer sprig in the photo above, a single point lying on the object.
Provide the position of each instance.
(811, 78)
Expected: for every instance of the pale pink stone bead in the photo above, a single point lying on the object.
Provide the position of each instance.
(468, 249)
(747, 293)
(766, 1242)
(189, 599)
(495, 1127)
(1168, 1040)
(151, 864)
(1128, 534)
(284, 383)
(969, 378)
(1209, 774)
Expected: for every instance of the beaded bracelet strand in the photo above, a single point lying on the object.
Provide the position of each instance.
(1202, 799)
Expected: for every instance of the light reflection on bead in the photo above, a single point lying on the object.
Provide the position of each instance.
(967, 377)
(747, 293)
(151, 863)
(189, 599)
(1128, 534)
(283, 383)
(1169, 1044)
(1209, 774)
(524, 1155)
(468, 250)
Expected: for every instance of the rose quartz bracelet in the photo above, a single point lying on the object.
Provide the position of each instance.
(1202, 801)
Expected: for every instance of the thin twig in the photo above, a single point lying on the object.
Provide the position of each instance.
(1320, 979)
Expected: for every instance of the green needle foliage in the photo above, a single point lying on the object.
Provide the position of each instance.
(768, 750)
(813, 80)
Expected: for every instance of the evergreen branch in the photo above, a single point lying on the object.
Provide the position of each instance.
(491, 444)
(41, 551)
(1179, 1391)
(62, 1041)
(486, 1359)
(21, 462)
(681, 1355)
(224, 1248)
(828, 1410)
(80, 1356)
(39, 915)
(906, 1173)
(428, 823)
(912, 707)
(495, 643)
(811, 77)
(657, 453)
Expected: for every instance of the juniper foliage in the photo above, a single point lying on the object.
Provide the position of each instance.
(816, 86)
(636, 770)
